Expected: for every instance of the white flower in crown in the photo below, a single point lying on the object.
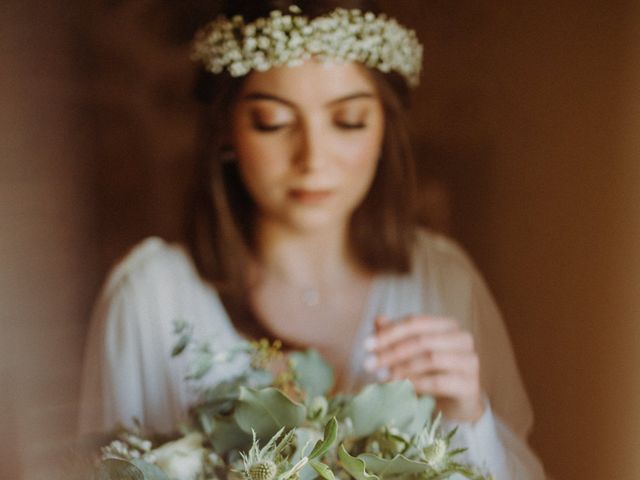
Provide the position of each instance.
(289, 39)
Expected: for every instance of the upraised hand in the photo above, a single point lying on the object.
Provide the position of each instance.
(436, 355)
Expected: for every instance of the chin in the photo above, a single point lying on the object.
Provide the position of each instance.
(313, 222)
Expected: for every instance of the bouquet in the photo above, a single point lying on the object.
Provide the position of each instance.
(278, 421)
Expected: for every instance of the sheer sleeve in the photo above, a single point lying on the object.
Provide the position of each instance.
(498, 440)
(129, 373)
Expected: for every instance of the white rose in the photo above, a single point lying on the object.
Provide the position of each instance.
(182, 459)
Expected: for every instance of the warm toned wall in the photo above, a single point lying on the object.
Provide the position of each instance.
(529, 112)
(622, 432)
(558, 182)
(46, 267)
(562, 175)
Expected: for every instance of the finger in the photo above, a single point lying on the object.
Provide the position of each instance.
(443, 385)
(453, 342)
(438, 362)
(381, 322)
(389, 333)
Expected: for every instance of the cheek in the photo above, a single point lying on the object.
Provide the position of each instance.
(262, 169)
(258, 157)
(257, 167)
(360, 157)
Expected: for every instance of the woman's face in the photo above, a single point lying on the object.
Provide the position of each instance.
(307, 141)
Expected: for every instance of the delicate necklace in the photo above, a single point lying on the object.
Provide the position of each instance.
(311, 297)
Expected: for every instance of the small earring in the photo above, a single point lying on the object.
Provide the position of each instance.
(227, 156)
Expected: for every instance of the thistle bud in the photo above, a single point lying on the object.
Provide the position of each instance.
(436, 454)
(263, 471)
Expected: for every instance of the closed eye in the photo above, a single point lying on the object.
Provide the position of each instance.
(267, 128)
(351, 126)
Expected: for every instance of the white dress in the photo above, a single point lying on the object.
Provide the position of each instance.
(129, 372)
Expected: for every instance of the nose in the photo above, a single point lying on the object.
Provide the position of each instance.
(312, 148)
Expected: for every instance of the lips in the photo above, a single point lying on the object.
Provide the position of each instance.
(309, 196)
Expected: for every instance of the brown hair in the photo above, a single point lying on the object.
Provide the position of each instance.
(221, 214)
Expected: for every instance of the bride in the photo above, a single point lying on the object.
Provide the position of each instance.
(302, 228)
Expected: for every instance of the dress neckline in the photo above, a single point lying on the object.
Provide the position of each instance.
(355, 375)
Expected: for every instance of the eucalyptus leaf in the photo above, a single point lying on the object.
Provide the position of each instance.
(462, 471)
(307, 473)
(201, 365)
(354, 466)
(150, 471)
(221, 398)
(313, 374)
(117, 469)
(396, 466)
(323, 470)
(330, 435)
(422, 415)
(267, 410)
(391, 404)
(305, 437)
(184, 331)
(180, 345)
(258, 378)
(224, 433)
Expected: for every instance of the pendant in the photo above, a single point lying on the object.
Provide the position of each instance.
(311, 297)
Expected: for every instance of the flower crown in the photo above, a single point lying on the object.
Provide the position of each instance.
(280, 39)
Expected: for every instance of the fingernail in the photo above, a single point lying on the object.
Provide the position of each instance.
(370, 343)
(370, 363)
(382, 374)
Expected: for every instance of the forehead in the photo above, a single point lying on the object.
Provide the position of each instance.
(312, 82)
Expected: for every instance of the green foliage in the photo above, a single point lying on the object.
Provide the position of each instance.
(354, 466)
(391, 404)
(385, 432)
(149, 471)
(330, 435)
(184, 331)
(422, 414)
(322, 470)
(116, 469)
(398, 466)
(267, 410)
(313, 374)
(224, 433)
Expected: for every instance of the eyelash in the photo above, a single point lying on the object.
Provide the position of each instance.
(268, 128)
(274, 128)
(351, 126)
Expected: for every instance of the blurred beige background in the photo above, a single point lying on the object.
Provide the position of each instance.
(528, 122)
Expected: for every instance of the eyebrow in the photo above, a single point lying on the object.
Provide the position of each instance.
(256, 96)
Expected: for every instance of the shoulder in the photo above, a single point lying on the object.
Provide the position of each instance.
(437, 252)
(152, 261)
(446, 276)
(152, 286)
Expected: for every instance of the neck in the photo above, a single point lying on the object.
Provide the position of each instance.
(311, 258)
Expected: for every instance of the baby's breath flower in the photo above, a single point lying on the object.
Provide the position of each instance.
(291, 38)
